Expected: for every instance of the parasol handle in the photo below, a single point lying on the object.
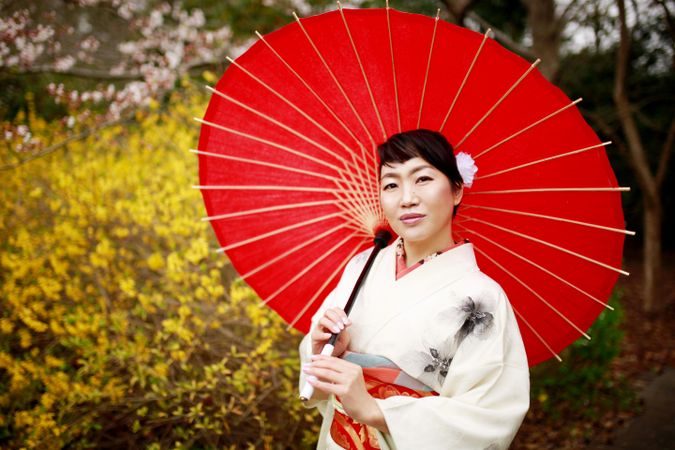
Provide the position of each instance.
(380, 240)
(308, 390)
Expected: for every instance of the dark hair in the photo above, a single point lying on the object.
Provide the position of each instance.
(429, 145)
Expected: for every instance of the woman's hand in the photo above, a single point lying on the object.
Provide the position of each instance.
(334, 320)
(344, 379)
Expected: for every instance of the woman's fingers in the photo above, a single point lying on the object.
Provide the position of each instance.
(326, 387)
(320, 332)
(331, 362)
(325, 374)
(334, 320)
(333, 375)
(329, 324)
(341, 316)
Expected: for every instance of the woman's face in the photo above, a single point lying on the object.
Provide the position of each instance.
(418, 201)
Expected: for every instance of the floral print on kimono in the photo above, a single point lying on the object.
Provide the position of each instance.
(470, 318)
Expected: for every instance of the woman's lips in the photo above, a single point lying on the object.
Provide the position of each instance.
(411, 219)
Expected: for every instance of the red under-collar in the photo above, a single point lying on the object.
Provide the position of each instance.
(401, 268)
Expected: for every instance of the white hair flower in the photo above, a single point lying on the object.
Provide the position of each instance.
(467, 168)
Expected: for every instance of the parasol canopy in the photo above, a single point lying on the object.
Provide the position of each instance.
(288, 165)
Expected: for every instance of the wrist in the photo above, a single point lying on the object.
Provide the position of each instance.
(373, 416)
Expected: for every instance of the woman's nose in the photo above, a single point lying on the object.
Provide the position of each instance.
(408, 196)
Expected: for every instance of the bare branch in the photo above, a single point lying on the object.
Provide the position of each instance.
(59, 145)
(666, 152)
(611, 133)
(458, 9)
(99, 74)
(570, 11)
(634, 141)
(671, 26)
(81, 72)
(502, 37)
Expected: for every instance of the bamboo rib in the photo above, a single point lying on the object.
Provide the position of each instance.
(393, 68)
(426, 74)
(520, 316)
(221, 187)
(335, 80)
(554, 218)
(306, 269)
(275, 122)
(543, 269)
(264, 164)
(541, 339)
(515, 310)
(357, 211)
(363, 211)
(574, 189)
(354, 182)
(363, 72)
(548, 244)
(358, 200)
(355, 204)
(291, 104)
(282, 230)
(268, 209)
(372, 216)
(365, 198)
(314, 93)
(503, 97)
(271, 144)
(466, 78)
(291, 251)
(530, 126)
(543, 160)
(337, 270)
(335, 180)
(536, 294)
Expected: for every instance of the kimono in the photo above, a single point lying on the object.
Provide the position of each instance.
(445, 344)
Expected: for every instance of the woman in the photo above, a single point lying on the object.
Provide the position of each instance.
(431, 356)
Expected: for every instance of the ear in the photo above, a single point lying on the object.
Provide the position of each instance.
(458, 194)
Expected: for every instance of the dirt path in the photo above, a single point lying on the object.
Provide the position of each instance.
(649, 359)
(654, 429)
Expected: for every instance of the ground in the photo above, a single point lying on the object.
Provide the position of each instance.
(647, 362)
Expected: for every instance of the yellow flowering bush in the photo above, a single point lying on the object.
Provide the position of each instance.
(119, 325)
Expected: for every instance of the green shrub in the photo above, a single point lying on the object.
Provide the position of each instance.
(583, 383)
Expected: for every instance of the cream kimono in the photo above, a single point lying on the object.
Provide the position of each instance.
(449, 326)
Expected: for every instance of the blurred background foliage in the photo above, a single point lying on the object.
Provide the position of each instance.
(119, 327)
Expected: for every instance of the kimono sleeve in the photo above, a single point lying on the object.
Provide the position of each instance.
(483, 397)
(337, 297)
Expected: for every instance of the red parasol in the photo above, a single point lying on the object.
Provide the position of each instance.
(288, 169)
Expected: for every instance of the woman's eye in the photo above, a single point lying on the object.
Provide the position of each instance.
(389, 186)
(423, 178)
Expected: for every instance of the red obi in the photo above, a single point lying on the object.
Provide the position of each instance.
(353, 435)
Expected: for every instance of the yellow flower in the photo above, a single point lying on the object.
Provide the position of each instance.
(209, 77)
(50, 361)
(155, 261)
(25, 338)
(6, 325)
(47, 400)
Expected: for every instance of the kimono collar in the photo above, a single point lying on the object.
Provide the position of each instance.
(384, 298)
(402, 269)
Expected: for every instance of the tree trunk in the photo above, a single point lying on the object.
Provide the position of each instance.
(546, 34)
(653, 216)
(649, 183)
